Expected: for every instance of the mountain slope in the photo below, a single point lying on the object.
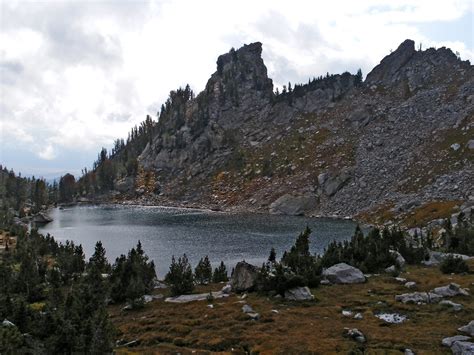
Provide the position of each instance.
(334, 146)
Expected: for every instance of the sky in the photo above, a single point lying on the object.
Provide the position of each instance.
(75, 75)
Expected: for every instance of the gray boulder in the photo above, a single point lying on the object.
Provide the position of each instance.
(399, 259)
(462, 348)
(418, 297)
(244, 277)
(355, 334)
(343, 273)
(450, 340)
(410, 284)
(299, 294)
(470, 144)
(437, 257)
(42, 218)
(294, 205)
(334, 183)
(451, 290)
(468, 328)
(456, 307)
(195, 297)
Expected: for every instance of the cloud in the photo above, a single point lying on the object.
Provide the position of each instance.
(75, 75)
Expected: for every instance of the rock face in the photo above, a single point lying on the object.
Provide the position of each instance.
(244, 277)
(299, 294)
(293, 205)
(343, 274)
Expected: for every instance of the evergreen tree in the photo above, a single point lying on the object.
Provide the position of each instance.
(203, 271)
(220, 274)
(180, 276)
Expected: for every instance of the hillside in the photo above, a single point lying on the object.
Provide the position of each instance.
(399, 141)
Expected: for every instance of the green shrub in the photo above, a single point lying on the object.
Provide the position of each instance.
(453, 265)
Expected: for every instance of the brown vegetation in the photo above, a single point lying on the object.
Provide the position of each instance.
(315, 327)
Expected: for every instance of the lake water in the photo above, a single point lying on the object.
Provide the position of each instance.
(164, 232)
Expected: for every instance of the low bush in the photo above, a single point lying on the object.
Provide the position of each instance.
(453, 265)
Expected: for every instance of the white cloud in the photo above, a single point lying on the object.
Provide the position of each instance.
(76, 75)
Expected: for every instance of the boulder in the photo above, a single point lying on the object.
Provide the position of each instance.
(456, 307)
(451, 290)
(462, 348)
(7, 323)
(334, 183)
(294, 205)
(195, 297)
(410, 284)
(42, 218)
(299, 294)
(399, 259)
(343, 274)
(244, 277)
(418, 297)
(391, 269)
(355, 334)
(358, 316)
(124, 185)
(470, 144)
(227, 289)
(468, 328)
(436, 257)
(247, 308)
(455, 146)
(450, 340)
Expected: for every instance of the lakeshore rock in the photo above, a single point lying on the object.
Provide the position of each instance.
(42, 218)
(293, 205)
(343, 273)
(244, 277)
(299, 294)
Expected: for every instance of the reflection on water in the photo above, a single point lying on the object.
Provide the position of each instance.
(168, 231)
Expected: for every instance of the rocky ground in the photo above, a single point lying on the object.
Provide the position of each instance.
(342, 318)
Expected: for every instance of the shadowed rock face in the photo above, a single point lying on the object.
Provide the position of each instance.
(391, 64)
(351, 146)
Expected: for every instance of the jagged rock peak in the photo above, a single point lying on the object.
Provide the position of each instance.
(392, 63)
(244, 65)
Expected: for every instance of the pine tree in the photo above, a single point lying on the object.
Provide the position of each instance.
(99, 260)
(220, 274)
(180, 276)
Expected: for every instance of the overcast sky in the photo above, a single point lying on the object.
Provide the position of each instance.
(75, 75)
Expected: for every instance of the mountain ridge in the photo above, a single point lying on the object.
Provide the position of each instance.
(334, 146)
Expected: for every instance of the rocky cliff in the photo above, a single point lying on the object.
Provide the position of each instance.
(335, 146)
